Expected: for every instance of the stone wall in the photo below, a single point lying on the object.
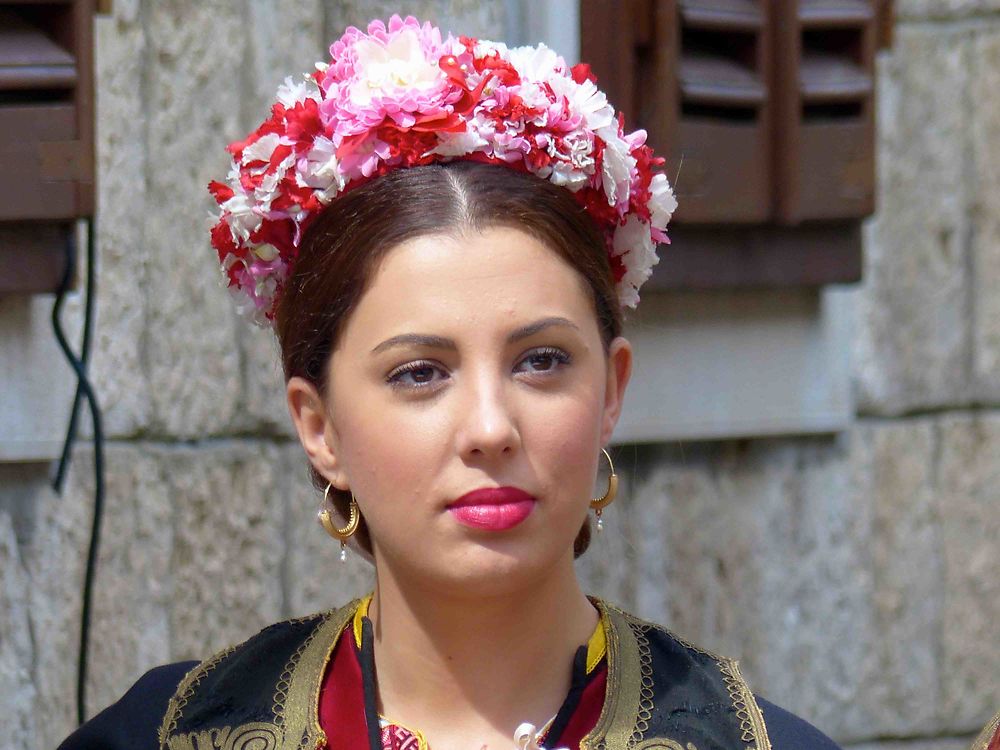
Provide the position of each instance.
(856, 575)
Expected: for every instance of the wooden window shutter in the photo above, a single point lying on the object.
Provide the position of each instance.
(764, 110)
(719, 138)
(46, 136)
(824, 109)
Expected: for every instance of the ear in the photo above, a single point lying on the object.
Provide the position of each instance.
(619, 372)
(316, 430)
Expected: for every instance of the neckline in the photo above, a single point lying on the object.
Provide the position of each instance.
(597, 643)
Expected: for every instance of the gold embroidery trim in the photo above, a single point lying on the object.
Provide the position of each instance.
(983, 740)
(658, 743)
(300, 717)
(257, 735)
(183, 694)
(613, 730)
(754, 731)
(295, 701)
(747, 710)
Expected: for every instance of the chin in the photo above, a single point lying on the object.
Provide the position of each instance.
(489, 568)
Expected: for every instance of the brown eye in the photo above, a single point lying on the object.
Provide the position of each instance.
(414, 375)
(543, 360)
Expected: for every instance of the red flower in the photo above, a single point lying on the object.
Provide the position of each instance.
(220, 191)
(303, 124)
(222, 241)
(582, 72)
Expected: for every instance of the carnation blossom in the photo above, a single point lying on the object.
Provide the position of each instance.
(400, 95)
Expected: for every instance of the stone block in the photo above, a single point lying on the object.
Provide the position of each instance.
(193, 92)
(943, 10)
(125, 288)
(54, 552)
(914, 321)
(895, 466)
(285, 39)
(129, 631)
(17, 699)
(228, 552)
(968, 496)
(262, 409)
(984, 131)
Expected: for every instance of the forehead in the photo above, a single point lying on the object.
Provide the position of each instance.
(476, 278)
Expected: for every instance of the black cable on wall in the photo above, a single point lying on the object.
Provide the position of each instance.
(84, 389)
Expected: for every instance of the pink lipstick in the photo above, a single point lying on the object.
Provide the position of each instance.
(493, 508)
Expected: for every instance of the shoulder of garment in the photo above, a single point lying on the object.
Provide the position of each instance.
(132, 722)
(788, 732)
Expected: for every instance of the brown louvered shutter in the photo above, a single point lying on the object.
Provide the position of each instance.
(46, 136)
(765, 112)
(824, 109)
(718, 138)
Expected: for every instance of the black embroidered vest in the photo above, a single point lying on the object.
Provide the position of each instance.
(662, 693)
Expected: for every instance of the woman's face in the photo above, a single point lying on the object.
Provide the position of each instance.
(471, 362)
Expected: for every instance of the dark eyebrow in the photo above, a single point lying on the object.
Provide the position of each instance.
(416, 339)
(540, 325)
(440, 342)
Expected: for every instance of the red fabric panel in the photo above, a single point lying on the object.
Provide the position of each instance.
(342, 699)
(588, 710)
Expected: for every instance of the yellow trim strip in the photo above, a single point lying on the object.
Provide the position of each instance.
(597, 645)
(362, 611)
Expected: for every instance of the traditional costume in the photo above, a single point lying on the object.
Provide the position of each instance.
(310, 683)
(396, 96)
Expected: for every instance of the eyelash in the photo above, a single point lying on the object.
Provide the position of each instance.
(394, 378)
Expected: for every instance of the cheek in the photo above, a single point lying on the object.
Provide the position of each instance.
(388, 451)
(562, 437)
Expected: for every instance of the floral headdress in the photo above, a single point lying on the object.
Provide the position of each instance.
(400, 96)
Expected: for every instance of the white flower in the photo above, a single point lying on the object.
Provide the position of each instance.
(617, 166)
(460, 144)
(662, 202)
(537, 63)
(320, 168)
(383, 68)
(243, 219)
(291, 93)
(262, 148)
(585, 99)
(635, 246)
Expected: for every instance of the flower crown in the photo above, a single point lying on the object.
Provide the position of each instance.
(400, 96)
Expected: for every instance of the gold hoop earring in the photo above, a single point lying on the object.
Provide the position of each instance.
(340, 534)
(600, 503)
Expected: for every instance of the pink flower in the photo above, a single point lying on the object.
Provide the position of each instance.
(389, 73)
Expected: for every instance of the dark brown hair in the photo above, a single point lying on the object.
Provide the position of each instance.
(343, 246)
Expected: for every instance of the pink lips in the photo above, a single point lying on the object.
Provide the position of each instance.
(493, 508)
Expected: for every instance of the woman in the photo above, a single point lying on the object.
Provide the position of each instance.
(443, 234)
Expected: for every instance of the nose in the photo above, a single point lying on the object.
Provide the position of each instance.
(487, 425)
